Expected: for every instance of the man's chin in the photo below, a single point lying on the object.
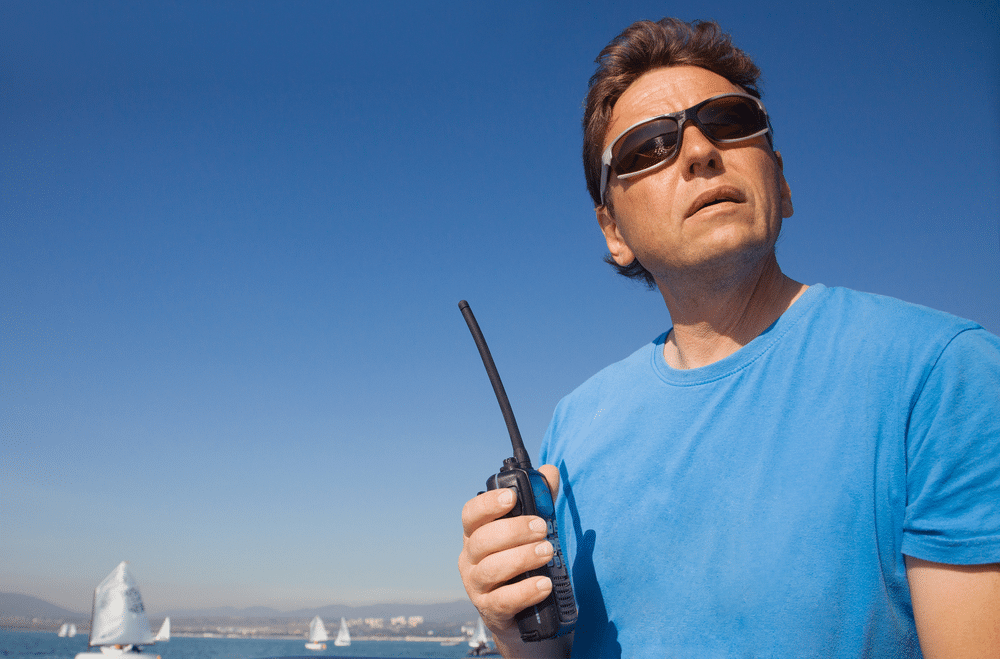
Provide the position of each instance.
(720, 262)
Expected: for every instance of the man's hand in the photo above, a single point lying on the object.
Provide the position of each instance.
(494, 551)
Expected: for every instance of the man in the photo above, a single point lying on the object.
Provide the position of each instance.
(790, 470)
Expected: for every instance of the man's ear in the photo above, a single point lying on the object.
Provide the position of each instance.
(786, 192)
(620, 252)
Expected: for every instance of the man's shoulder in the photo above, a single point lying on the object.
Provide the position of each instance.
(618, 375)
(637, 362)
(877, 314)
(849, 326)
(613, 387)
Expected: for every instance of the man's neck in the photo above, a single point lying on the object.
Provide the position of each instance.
(713, 318)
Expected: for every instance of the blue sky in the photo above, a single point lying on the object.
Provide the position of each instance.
(233, 237)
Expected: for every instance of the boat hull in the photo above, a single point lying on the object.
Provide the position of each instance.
(315, 646)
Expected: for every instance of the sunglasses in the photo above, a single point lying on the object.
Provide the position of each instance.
(651, 142)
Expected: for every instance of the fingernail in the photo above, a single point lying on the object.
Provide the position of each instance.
(543, 583)
(544, 548)
(537, 525)
(506, 497)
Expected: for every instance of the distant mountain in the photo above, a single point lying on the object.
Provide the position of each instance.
(227, 612)
(16, 605)
(457, 611)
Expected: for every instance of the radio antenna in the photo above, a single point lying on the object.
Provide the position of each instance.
(520, 454)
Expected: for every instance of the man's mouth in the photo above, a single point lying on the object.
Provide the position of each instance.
(714, 197)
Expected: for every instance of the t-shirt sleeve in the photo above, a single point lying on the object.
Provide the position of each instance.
(953, 456)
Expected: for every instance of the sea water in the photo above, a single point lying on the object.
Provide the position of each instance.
(47, 645)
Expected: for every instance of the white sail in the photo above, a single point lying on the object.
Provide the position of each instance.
(317, 632)
(119, 616)
(164, 633)
(71, 632)
(343, 636)
(479, 638)
(64, 630)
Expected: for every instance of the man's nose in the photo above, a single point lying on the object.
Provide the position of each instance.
(697, 151)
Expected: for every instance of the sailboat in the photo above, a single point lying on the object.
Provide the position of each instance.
(480, 642)
(317, 634)
(164, 634)
(71, 632)
(64, 630)
(343, 636)
(118, 624)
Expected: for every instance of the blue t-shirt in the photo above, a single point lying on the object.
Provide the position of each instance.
(761, 506)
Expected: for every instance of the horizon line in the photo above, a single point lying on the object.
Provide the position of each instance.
(169, 609)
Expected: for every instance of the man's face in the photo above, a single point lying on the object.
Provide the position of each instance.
(712, 207)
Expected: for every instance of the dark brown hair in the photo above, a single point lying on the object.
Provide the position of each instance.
(644, 46)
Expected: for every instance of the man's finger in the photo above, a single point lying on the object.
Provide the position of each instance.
(485, 508)
(498, 568)
(504, 534)
(513, 598)
(551, 474)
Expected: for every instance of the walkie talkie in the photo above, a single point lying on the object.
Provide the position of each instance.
(556, 614)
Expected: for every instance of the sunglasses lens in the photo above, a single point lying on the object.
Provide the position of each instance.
(647, 145)
(723, 119)
(731, 118)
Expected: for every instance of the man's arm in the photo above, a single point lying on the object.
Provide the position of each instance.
(496, 550)
(956, 608)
